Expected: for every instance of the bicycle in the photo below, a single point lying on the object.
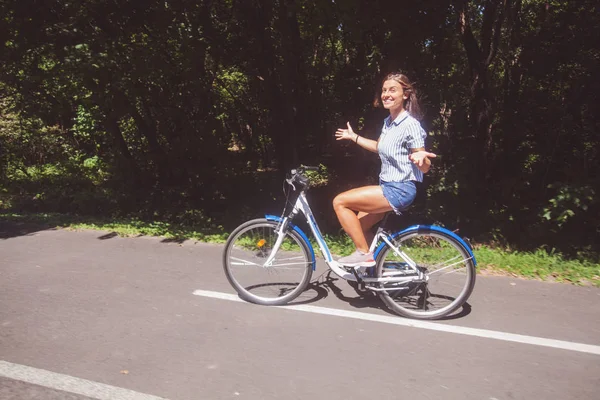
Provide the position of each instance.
(421, 272)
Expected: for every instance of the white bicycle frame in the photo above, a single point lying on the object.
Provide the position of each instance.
(389, 277)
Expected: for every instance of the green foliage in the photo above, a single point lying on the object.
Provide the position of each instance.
(84, 124)
(568, 201)
(320, 177)
(121, 109)
(539, 264)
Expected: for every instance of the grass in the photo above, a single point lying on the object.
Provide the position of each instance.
(539, 264)
(122, 227)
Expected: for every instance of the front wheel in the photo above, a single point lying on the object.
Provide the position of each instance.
(285, 278)
(443, 280)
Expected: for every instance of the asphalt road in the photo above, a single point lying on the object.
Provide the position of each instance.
(91, 315)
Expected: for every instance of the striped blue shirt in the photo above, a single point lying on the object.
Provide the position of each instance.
(397, 139)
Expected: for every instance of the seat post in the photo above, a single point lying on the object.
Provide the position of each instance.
(380, 228)
(384, 220)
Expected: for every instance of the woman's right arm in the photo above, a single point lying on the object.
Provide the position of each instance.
(348, 134)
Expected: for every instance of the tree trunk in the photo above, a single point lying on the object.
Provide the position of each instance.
(512, 80)
(111, 125)
(282, 128)
(287, 24)
(156, 151)
(107, 102)
(480, 56)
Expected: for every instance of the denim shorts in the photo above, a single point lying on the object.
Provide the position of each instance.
(400, 195)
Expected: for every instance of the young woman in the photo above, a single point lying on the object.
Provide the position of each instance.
(401, 148)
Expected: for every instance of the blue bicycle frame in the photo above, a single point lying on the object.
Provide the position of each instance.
(382, 237)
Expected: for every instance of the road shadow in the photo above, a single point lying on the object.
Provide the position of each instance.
(464, 311)
(311, 294)
(320, 288)
(326, 282)
(365, 299)
(12, 229)
(178, 240)
(108, 236)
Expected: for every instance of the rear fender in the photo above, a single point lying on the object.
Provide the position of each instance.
(429, 228)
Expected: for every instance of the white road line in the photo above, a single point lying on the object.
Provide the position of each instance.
(484, 333)
(69, 384)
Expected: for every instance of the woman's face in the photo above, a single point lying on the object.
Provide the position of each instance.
(392, 95)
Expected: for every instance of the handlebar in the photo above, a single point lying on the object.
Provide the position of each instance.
(304, 168)
(297, 176)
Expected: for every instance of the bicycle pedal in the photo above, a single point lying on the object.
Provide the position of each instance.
(357, 274)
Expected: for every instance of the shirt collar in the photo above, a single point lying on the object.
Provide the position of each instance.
(401, 117)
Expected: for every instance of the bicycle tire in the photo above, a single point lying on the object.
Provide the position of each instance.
(438, 255)
(247, 249)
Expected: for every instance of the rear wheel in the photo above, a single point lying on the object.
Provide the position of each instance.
(447, 275)
(244, 257)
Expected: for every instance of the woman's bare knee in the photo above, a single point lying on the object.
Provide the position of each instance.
(339, 201)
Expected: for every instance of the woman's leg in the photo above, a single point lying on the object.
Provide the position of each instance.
(369, 202)
(367, 221)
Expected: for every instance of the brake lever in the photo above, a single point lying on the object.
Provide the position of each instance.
(290, 182)
(310, 168)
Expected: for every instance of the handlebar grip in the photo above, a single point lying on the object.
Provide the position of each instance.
(310, 168)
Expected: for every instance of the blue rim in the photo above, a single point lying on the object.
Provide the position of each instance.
(429, 228)
(302, 235)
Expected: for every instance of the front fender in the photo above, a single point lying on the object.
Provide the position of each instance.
(302, 235)
(430, 228)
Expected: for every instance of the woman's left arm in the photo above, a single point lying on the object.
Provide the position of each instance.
(421, 159)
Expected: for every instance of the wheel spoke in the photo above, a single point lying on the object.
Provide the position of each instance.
(445, 280)
(241, 261)
(248, 249)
